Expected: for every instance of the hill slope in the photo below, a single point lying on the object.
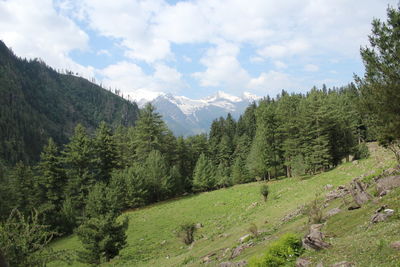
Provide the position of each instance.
(37, 102)
(227, 214)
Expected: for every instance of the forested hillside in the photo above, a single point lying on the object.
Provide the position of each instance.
(36, 103)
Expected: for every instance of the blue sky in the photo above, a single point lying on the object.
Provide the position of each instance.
(195, 48)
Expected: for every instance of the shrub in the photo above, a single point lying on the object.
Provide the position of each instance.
(314, 210)
(264, 190)
(253, 229)
(280, 253)
(361, 151)
(186, 232)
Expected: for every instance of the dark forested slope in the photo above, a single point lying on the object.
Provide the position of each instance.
(36, 103)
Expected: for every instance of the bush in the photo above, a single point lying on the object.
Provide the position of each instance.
(361, 151)
(280, 253)
(264, 190)
(314, 211)
(186, 232)
(253, 229)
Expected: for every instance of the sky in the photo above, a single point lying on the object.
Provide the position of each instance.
(196, 47)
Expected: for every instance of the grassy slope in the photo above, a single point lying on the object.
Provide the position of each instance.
(227, 214)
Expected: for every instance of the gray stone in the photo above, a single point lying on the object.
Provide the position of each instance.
(395, 245)
(314, 240)
(244, 238)
(342, 264)
(233, 264)
(333, 211)
(387, 183)
(301, 262)
(381, 215)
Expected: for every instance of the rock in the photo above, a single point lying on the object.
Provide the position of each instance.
(387, 183)
(301, 262)
(295, 213)
(395, 245)
(198, 225)
(390, 171)
(252, 205)
(354, 207)
(355, 162)
(341, 191)
(244, 238)
(328, 187)
(226, 251)
(342, 264)
(320, 265)
(314, 239)
(207, 258)
(384, 193)
(357, 190)
(163, 242)
(333, 212)
(233, 264)
(381, 216)
(236, 252)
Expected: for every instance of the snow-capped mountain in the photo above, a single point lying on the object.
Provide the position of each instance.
(185, 116)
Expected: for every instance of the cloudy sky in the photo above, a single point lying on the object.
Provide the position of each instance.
(195, 48)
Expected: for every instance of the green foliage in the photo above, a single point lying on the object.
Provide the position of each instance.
(280, 253)
(361, 151)
(101, 234)
(186, 232)
(37, 103)
(204, 174)
(102, 237)
(315, 210)
(253, 229)
(264, 191)
(380, 85)
(24, 241)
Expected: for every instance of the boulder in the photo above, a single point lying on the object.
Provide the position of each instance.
(381, 215)
(302, 262)
(198, 225)
(342, 264)
(314, 240)
(236, 252)
(328, 187)
(387, 183)
(357, 190)
(332, 212)
(341, 191)
(233, 264)
(244, 238)
(395, 245)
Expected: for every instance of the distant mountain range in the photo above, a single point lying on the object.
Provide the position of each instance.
(185, 116)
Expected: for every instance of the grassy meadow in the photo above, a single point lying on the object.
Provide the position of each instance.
(227, 214)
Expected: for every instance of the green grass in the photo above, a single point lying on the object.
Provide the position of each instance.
(227, 214)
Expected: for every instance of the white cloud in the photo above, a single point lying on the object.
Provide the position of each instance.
(131, 79)
(280, 65)
(287, 49)
(34, 29)
(272, 83)
(311, 68)
(223, 68)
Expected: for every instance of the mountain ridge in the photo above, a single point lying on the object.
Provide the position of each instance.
(186, 116)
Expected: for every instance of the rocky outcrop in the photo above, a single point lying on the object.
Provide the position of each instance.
(233, 264)
(314, 240)
(359, 193)
(387, 183)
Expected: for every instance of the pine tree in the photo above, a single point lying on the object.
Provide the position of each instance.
(149, 133)
(157, 176)
(78, 156)
(105, 152)
(380, 85)
(204, 174)
(101, 235)
(51, 184)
